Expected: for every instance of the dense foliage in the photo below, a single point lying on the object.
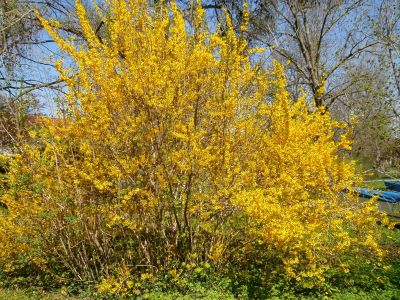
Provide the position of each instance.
(176, 153)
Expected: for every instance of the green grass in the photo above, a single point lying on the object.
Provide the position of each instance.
(367, 169)
(38, 294)
(371, 295)
(374, 185)
(32, 295)
(391, 294)
(14, 295)
(346, 295)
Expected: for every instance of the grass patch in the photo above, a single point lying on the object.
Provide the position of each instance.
(374, 185)
(392, 294)
(35, 295)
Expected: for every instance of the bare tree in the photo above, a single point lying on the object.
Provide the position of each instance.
(369, 102)
(387, 29)
(24, 44)
(27, 77)
(320, 38)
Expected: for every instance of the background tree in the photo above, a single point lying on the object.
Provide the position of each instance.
(325, 43)
(28, 79)
(368, 102)
(319, 38)
(387, 29)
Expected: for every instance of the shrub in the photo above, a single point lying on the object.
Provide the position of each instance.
(175, 148)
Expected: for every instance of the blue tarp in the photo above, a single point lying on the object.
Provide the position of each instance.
(393, 185)
(386, 196)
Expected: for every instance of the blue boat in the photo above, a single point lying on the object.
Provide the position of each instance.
(393, 185)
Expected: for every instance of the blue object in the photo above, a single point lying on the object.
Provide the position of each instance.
(386, 196)
(393, 185)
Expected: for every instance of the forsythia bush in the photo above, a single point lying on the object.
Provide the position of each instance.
(174, 146)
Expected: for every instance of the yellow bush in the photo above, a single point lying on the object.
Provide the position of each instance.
(170, 133)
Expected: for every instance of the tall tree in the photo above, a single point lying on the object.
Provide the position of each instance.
(387, 29)
(368, 101)
(319, 38)
(26, 75)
